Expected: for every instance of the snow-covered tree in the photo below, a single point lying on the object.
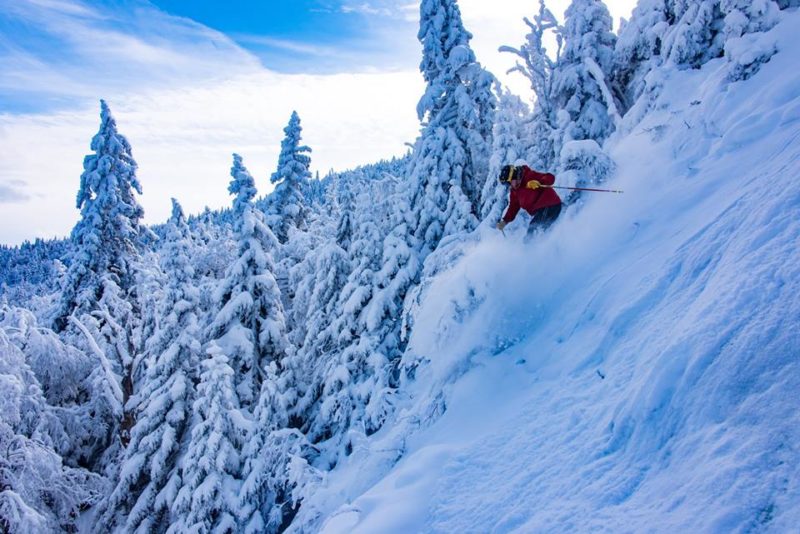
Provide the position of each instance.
(38, 492)
(638, 49)
(148, 479)
(323, 348)
(99, 298)
(743, 48)
(275, 469)
(537, 65)
(249, 326)
(450, 158)
(688, 34)
(346, 202)
(105, 240)
(353, 359)
(509, 145)
(288, 200)
(700, 29)
(210, 468)
(319, 279)
(583, 163)
(581, 78)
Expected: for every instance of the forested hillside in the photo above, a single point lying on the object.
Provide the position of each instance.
(366, 352)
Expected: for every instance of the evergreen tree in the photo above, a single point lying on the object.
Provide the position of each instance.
(249, 326)
(700, 29)
(105, 240)
(323, 283)
(210, 468)
(509, 146)
(539, 68)
(346, 202)
(148, 477)
(275, 470)
(450, 157)
(288, 200)
(326, 415)
(638, 49)
(353, 359)
(100, 292)
(39, 492)
(581, 77)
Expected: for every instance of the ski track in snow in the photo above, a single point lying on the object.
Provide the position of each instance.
(682, 293)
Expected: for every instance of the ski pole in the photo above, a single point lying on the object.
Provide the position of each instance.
(583, 189)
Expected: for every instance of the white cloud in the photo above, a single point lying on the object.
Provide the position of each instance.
(66, 48)
(288, 45)
(183, 138)
(365, 8)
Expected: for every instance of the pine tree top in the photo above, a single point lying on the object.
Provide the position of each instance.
(293, 161)
(242, 184)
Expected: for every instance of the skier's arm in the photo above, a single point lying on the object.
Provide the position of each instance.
(544, 178)
(513, 208)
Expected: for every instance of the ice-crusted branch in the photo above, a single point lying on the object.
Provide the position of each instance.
(111, 376)
(597, 73)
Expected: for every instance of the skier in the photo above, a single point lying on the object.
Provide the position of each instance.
(529, 190)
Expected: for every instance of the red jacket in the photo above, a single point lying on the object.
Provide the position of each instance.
(531, 199)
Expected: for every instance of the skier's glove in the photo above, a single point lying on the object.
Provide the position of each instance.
(501, 225)
(533, 184)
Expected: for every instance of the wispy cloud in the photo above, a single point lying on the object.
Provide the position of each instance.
(61, 49)
(13, 191)
(296, 46)
(365, 8)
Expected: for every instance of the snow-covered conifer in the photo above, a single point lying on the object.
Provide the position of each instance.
(249, 326)
(314, 311)
(100, 292)
(274, 460)
(581, 80)
(322, 351)
(346, 202)
(745, 51)
(288, 200)
(700, 29)
(210, 468)
(450, 159)
(105, 240)
(38, 492)
(583, 163)
(509, 145)
(148, 479)
(638, 49)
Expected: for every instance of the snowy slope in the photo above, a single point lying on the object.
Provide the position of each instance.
(638, 368)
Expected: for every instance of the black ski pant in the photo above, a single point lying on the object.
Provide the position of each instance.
(543, 218)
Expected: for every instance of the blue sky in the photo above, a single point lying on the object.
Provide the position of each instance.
(319, 36)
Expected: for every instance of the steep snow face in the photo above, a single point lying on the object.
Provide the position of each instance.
(635, 369)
